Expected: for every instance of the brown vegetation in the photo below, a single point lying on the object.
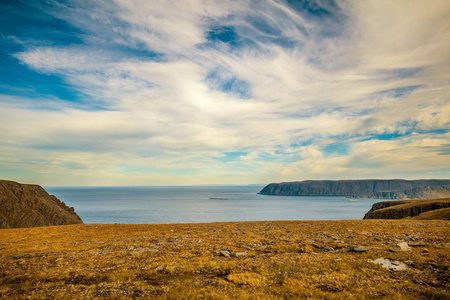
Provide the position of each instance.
(267, 260)
(410, 208)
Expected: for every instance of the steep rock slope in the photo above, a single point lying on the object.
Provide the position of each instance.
(428, 192)
(417, 209)
(27, 205)
(346, 187)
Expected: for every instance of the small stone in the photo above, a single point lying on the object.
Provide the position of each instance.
(417, 244)
(409, 262)
(391, 266)
(138, 251)
(327, 248)
(238, 254)
(359, 249)
(224, 253)
(160, 269)
(21, 255)
(400, 247)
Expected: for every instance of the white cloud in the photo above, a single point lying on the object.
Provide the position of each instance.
(308, 83)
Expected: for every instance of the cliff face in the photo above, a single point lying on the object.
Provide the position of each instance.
(346, 187)
(417, 209)
(26, 205)
(428, 192)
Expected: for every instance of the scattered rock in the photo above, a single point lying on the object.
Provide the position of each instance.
(390, 265)
(359, 249)
(224, 253)
(417, 244)
(238, 254)
(160, 269)
(410, 263)
(21, 255)
(138, 251)
(327, 249)
(400, 247)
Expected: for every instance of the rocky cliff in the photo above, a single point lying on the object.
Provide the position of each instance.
(27, 205)
(417, 209)
(428, 192)
(346, 187)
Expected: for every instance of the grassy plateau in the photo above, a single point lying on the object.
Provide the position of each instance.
(244, 260)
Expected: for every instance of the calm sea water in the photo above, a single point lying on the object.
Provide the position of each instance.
(192, 204)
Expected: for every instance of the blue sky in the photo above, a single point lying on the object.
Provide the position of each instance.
(223, 92)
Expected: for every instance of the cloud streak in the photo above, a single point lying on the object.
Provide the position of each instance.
(169, 91)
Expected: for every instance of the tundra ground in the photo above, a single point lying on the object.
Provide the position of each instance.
(267, 260)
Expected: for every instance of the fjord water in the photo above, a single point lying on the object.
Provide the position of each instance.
(193, 204)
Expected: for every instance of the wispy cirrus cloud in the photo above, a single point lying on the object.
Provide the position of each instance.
(198, 92)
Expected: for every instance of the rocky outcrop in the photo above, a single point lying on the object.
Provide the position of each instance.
(428, 192)
(417, 209)
(347, 187)
(27, 205)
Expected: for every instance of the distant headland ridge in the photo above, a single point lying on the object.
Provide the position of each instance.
(367, 188)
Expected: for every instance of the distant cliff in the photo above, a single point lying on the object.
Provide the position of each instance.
(347, 187)
(27, 205)
(428, 192)
(437, 209)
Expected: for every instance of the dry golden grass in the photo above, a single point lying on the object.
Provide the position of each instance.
(437, 214)
(285, 260)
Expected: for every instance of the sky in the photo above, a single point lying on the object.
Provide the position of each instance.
(223, 92)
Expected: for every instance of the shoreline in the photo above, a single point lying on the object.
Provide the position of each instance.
(226, 222)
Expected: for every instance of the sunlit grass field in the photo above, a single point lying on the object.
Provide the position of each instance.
(268, 260)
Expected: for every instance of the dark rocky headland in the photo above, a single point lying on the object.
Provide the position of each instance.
(29, 205)
(358, 188)
(436, 209)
